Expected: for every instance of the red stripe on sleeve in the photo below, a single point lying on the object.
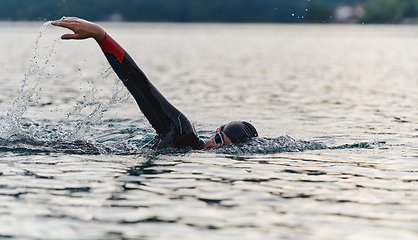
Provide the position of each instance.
(175, 142)
(107, 44)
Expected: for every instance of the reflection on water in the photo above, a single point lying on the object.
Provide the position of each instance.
(206, 194)
(335, 106)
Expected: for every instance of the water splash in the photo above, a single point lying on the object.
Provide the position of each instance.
(11, 124)
(272, 146)
(288, 144)
(99, 108)
(24, 144)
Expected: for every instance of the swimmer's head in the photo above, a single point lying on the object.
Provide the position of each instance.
(232, 133)
(239, 131)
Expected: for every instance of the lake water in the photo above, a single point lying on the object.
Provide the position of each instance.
(335, 106)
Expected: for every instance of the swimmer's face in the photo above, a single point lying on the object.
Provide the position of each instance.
(216, 141)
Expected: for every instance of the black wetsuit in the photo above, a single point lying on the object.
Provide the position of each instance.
(172, 127)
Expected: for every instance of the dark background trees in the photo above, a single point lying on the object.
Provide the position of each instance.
(283, 11)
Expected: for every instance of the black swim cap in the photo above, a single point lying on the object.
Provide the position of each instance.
(239, 131)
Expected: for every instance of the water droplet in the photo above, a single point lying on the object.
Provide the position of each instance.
(293, 14)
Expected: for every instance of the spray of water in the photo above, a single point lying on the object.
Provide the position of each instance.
(11, 124)
(31, 91)
(99, 108)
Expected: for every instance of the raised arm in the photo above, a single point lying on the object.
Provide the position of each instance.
(172, 127)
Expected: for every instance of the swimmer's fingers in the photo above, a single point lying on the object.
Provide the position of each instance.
(82, 29)
(67, 22)
(73, 36)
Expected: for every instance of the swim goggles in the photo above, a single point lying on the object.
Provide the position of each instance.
(218, 139)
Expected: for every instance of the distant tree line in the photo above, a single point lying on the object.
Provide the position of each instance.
(158, 10)
(376, 11)
(284, 11)
(390, 11)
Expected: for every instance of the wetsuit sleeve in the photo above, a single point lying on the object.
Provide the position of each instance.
(171, 125)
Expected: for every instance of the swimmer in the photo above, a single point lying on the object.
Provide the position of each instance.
(172, 127)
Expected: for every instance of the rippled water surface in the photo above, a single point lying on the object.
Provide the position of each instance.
(335, 106)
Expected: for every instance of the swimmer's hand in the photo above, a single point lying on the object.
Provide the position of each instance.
(82, 29)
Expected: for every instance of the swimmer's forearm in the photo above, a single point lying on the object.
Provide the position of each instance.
(153, 105)
(108, 45)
